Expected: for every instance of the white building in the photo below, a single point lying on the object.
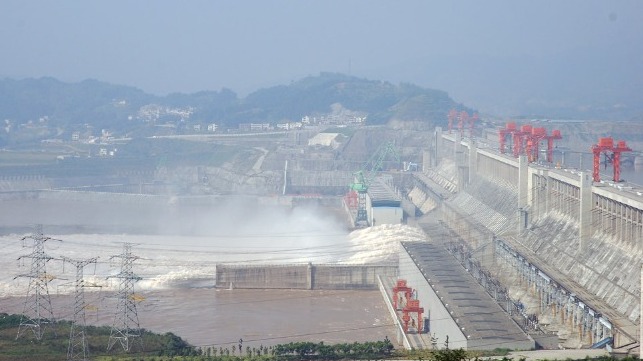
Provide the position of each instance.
(325, 140)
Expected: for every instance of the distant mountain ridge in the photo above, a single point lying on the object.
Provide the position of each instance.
(119, 108)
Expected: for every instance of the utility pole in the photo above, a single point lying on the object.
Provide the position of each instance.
(37, 310)
(77, 349)
(125, 324)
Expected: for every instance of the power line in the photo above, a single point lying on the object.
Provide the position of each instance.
(77, 349)
(126, 325)
(37, 310)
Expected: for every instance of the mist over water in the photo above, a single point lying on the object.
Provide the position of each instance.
(180, 245)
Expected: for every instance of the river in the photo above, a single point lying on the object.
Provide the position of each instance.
(177, 269)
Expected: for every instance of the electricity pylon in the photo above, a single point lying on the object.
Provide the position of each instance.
(77, 349)
(125, 324)
(37, 310)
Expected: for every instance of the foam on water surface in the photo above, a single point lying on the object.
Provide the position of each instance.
(167, 261)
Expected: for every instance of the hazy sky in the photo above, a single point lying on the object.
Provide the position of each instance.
(171, 46)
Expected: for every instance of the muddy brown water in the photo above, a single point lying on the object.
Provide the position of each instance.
(220, 317)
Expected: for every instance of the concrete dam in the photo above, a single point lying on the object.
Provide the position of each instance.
(558, 252)
(567, 247)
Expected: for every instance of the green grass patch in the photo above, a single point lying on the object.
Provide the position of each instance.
(55, 342)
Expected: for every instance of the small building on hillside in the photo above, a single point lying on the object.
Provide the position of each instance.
(325, 140)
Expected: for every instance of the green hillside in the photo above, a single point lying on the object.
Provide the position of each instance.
(50, 108)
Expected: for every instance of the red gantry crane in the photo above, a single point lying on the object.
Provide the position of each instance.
(412, 307)
(464, 121)
(411, 311)
(612, 153)
(400, 289)
(519, 138)
(509, 129)
(474, 118)
(555, 135)
(526, 140)
(453, 114)
(533, 143)
(463, 118)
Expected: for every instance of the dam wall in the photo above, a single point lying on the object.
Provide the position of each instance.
(93, 197)
(303, 276)
(23, 183)
(478, 237)
(320, 182)
(589, 233)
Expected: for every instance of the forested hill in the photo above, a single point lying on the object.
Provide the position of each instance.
(119, 108)
(382, 101)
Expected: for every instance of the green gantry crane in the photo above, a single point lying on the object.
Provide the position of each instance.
(365, 176)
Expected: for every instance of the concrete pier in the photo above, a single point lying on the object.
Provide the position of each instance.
(305, 276)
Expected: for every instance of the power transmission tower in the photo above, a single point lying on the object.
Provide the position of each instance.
(77, 349)
(37, 310)
(125, 324)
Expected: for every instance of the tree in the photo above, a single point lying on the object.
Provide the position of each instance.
(450, 355)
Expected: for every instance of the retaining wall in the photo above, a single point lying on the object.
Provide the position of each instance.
(304, 276)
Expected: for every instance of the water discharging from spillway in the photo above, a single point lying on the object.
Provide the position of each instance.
(168, 261)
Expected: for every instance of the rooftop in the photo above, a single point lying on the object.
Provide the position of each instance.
(470, 305)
